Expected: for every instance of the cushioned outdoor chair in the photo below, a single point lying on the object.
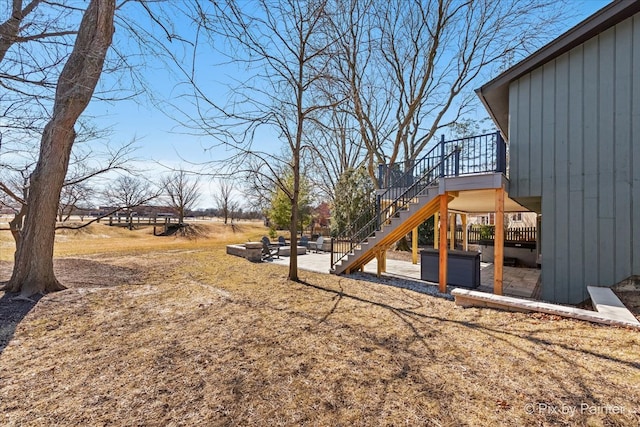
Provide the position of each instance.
(317, 245)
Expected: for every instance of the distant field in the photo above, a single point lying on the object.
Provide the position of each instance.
(172, 331)
(100, 238)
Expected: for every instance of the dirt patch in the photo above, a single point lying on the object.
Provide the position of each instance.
(85, 273)
(72, 273)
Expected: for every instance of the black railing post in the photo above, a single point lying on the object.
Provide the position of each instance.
(457, 160)
(501, 154)
(442, 157)
(381, 183)
(331, 260)
(378, 221)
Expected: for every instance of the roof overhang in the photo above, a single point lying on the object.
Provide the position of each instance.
(495, 94)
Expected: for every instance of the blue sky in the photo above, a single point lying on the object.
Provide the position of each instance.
(161, 140)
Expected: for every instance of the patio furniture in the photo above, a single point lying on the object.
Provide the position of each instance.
(269, 250)
(304, 241)
(463, 268)
(317, 245)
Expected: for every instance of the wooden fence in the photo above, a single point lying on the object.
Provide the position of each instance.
(486, 233)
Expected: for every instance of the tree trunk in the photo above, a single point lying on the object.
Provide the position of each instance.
(293, 228)
(33, 267)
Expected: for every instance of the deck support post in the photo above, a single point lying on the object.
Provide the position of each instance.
(498, 255)
(465, 233)
(414, 245)
(452, 232)
(436, 231)
(381, 258)
(442, 276)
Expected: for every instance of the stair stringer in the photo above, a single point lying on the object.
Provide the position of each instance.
(398, 226)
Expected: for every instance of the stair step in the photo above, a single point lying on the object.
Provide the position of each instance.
(392, 227)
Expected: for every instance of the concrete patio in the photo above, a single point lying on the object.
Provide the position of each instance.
(517, 282)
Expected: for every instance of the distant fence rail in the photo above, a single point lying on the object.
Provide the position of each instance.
(124, 221)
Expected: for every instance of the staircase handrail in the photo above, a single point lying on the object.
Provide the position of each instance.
(374, 216)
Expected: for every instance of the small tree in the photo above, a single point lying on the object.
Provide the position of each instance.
(354, 190)
(225, 201)
(280, 212)
(425, 232)
(183, 192)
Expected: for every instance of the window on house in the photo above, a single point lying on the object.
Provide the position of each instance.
(516, 216)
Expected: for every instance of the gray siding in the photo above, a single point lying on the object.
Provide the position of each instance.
(575, 144)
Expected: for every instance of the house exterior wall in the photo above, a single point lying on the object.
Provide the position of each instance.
(575, 144)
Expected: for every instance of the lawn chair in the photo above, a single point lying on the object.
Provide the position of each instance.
(304, 241)
(317, 245)
(282, 241)
(269, 250)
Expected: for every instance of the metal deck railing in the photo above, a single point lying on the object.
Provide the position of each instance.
(404, 182)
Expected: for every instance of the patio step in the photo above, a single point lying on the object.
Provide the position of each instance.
(606, 302)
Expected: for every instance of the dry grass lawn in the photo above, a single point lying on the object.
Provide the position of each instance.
(171, 331)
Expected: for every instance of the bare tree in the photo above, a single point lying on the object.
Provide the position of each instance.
(71, 199)
(27, 78)
(407, 64)
(85, 169)
(128, 192)
(33, 268)
(337, 148)
(183, 192)
(224, 199)
(282, 42)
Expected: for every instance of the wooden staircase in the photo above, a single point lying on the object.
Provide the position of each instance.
(418, 210)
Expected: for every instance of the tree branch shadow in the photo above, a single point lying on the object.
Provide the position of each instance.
(409, 316)
(12, 310)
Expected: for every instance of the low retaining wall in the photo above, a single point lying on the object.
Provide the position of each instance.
(286, 250)
(250, 250)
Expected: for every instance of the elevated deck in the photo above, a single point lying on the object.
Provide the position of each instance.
(460, 176)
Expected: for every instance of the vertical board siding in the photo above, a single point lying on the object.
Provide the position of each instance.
(635, 146)
(623, 147)
(576, 144)
(560, 172)
(605, 150)
(514, 150)
(524, 130)
(575, 218)
(535, 149)
(589, 238)
(548, 175)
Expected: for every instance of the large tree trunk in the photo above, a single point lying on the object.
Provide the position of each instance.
(33, 268)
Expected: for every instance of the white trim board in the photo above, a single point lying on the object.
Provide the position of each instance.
(469, 298)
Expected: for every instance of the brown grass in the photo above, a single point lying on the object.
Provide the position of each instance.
(179, 333)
